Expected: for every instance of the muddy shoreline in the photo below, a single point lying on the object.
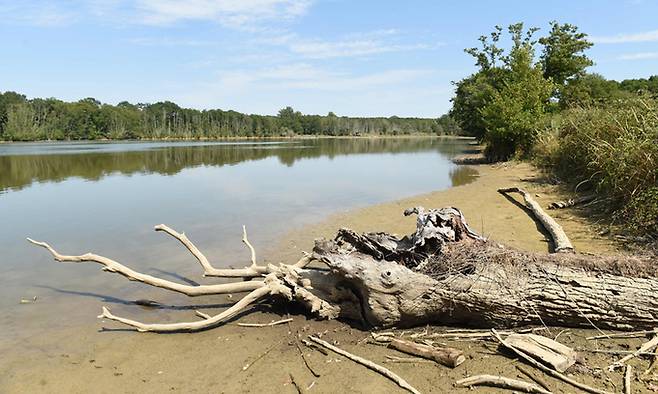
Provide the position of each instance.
(117, 360)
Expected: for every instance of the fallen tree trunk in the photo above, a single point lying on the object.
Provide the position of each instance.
(442, 273)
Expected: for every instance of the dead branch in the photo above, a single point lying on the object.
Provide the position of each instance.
(652, 343)
(535, 378)
(627, 379)
(367, 363)
(270, 324)
(560, 239)
(501, 382)
(571, 202)
(447, 356)
(113, 266)
(546, 369)
(632, 334)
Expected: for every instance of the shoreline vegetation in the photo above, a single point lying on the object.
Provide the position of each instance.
(597, 136)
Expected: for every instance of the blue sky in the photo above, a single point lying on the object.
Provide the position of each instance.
(366, 58)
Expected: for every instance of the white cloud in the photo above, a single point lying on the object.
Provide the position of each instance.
(646, 36)
(35, 14)
(639, 56)
(240, 14)
(316, 49)
(350, 45)
(170, 42)
(231, 13)
(307, 77)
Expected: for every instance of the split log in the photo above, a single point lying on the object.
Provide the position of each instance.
(501, 382)
(447, 356)
(550, 352)
(560, 239)
(444, 272)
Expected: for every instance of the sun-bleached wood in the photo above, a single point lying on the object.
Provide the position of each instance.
(560, 239)
(367, 363)
(502, 382)
(447, 356)
(445, 273)
(110, 265)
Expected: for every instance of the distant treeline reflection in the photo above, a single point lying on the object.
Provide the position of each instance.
(19, 171)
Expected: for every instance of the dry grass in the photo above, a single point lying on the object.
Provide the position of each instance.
(613, 149)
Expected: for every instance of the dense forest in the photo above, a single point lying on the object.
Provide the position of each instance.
(599, 134)
(23, 119)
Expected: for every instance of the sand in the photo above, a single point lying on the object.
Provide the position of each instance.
(84, 360)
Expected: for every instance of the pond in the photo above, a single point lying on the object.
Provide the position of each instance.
(106, 198)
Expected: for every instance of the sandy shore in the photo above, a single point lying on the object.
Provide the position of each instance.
(85, 360)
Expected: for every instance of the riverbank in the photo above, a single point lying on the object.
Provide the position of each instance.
(239, 359)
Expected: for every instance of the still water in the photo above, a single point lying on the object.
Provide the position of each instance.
(106, 198)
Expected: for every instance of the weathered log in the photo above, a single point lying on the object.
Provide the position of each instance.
(560, 239)
(447, 356)
(444, 272)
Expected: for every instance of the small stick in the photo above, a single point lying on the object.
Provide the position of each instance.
(258, 358)
(300, 389)
(536, 379)
(654, 362)
(616, 352)
(315, 347)
(627, 379)
(367, 363)
(245, 240)
(414, 360)
(308, 366)
(653, 342)
(502, 382)
(633, 334)
(546, 369)
(270, 324)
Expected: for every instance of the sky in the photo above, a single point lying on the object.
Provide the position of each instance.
(355, 58)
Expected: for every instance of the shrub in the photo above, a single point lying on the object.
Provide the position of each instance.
(613, 146)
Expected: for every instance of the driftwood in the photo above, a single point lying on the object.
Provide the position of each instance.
(447, 356)
(546, 369)
(571, 202)
(550, 352)
(652, 343)
(367, 363)
(444, 272)
(560, 239)
(501, 382)
(627, 379)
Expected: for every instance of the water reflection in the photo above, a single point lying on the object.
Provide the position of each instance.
(106, 197)
(23, 164)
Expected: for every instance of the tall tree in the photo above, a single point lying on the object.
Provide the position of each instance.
(563, 56)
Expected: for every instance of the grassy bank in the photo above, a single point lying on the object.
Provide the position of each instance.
(613, 150)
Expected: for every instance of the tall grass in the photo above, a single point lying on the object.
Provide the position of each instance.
(615, 149)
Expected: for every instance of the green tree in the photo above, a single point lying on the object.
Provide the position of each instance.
(562, 58)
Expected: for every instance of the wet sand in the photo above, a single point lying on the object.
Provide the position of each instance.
(62, 359)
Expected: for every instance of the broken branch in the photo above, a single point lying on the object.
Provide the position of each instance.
(502, 382)
(367, 363)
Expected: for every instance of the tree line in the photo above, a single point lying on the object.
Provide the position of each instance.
(23, 119)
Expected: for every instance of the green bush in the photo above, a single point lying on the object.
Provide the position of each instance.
(615, 147)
